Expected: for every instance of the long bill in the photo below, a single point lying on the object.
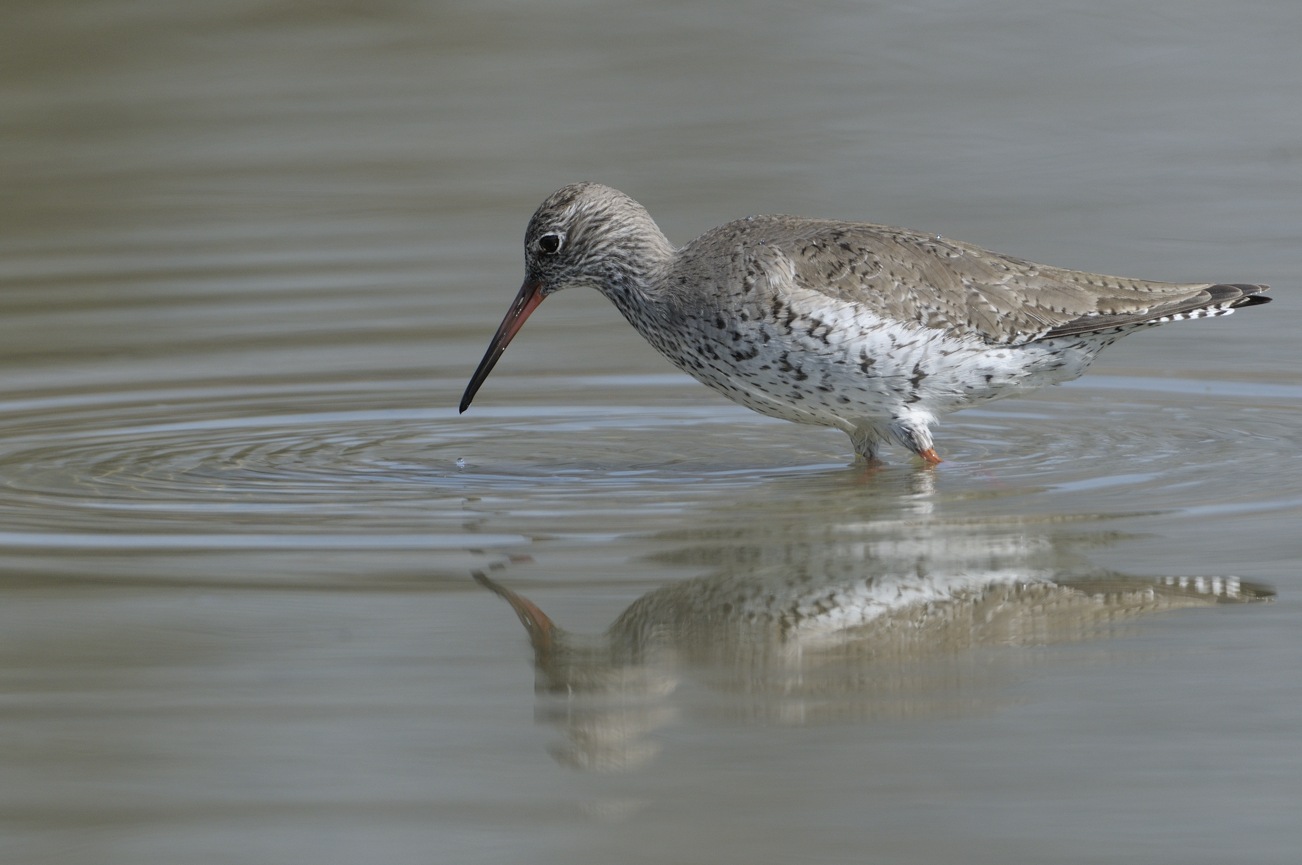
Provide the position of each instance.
(525, 303)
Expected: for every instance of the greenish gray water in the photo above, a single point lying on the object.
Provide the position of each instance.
(250, 255)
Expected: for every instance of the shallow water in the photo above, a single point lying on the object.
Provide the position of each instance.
(257, 576)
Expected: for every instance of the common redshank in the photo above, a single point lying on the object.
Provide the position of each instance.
(872, 329)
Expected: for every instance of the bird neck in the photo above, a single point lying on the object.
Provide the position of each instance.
(634, 279)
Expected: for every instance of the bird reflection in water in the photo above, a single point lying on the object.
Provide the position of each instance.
(867, 620)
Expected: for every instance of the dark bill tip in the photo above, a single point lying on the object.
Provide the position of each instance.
(525, 303)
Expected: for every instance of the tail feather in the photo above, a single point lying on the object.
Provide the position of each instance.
(1213, 300)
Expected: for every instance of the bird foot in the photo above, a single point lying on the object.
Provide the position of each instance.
(930, 456)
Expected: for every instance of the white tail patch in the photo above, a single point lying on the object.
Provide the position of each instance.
(1205, 312)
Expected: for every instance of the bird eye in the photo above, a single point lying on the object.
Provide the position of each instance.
(549, 244)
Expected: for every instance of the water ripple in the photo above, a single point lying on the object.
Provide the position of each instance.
(318, 455)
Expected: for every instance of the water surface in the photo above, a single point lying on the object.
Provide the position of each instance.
(255, 569)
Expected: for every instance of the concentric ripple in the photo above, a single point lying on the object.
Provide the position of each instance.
(377, 457)
(1175, 444)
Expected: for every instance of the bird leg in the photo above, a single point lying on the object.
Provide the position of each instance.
(912, 432)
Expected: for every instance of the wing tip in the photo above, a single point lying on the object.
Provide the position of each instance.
(1237, 294)
(1221, 299)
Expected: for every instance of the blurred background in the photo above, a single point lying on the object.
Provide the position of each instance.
(250, 253)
